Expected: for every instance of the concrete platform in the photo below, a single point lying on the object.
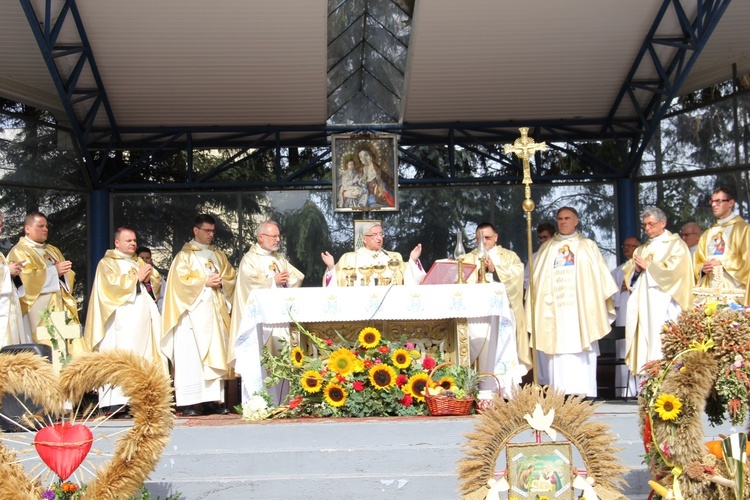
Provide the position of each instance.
(223, 457)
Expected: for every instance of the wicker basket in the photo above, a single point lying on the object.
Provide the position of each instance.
(483, 404)
(443, 405)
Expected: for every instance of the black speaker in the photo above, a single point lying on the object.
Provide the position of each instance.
(13, 408)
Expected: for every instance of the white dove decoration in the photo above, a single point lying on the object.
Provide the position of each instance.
(496, 487)
(587, 485)
(541, 422)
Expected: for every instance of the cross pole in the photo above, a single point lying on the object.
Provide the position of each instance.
(524, 147)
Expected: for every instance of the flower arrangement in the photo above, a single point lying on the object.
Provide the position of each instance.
(703, 367)
(367, 378)
(66, 490)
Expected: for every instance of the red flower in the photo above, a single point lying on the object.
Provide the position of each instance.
(378, 361)
(401, 380)
(384, 349)
(294, 403)
(368, 364)
(355, 352)
(329, 341)
(406, 400)
(340, 378)
(428, 363)
(358, 385)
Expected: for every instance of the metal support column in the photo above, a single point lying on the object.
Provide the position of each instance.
(627, 212)
(99, 229)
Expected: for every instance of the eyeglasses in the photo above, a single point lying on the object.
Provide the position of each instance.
(649, 225)
(718, 202)
(685, 235)
(209, 231)
(272, 236)
(629, 245)
(376, 235)
(544, 238)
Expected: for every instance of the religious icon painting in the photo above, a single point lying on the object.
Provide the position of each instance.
(538, 470)
(364, 172)
(359, 231)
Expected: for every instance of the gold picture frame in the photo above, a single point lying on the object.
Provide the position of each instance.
(540, 469)
(359, 231)
(364, 172)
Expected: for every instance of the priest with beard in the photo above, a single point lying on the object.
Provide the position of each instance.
(660, 277)
(573, 308)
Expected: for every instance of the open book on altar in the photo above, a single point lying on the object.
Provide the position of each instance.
(445, 272)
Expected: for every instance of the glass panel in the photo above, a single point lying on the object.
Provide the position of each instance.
(344, 43)
(396, 19)
(35, 151)
(383, 42)
(384, 72)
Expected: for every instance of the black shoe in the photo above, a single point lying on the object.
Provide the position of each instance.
(190, 411)
(214, 409)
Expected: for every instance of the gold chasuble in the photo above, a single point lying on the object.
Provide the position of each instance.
(508, 271)
(257, 270)
(115, 285)
(728, 241)
(658, 294)
(37, 257)
(572, 290)
(185, 287)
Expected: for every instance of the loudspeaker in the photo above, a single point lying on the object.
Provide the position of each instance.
(13, 408)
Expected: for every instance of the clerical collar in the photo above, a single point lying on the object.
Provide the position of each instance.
(263, 251)
(122, 255)
(34, 243)
(725, 219)
(200, 245)
(566, 236)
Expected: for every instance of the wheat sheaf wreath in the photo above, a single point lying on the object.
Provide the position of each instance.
(705, 369)
(136, 452)
(500, 423)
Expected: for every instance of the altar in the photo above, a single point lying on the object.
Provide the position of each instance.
(475, 322)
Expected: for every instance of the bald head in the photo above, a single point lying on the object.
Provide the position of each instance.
(691, 233)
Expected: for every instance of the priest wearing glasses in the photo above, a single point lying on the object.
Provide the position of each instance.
(371, 265)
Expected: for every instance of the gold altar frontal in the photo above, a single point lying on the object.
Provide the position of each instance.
(449, 336)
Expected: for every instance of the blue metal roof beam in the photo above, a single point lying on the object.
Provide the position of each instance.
(46, 34)
(672, 75)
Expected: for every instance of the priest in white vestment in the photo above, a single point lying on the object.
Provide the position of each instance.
(196, 321)
(573, 309)
(12, 330)
(726, 243)
(624, 382)
(501, 265)
(263, 267)
(121, 313)
(378, 265)
(47, 278)
(660, 276)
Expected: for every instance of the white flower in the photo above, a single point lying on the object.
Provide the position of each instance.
(255, 409)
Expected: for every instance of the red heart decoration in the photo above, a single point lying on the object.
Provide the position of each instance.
(63, 447)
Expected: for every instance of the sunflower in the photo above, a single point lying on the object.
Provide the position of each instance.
(311, 381)
(335, 395)
(401, 358)
(416, 386)
(298, 357)
(668, 407)
(342, 362)
(369, 337)
(446, 383)
(382, 376)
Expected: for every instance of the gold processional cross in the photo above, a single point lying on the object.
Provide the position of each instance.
(524, 147)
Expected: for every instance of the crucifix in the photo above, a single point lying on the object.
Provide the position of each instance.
(524, 147)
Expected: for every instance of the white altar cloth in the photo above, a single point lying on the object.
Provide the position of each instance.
(490, 321)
